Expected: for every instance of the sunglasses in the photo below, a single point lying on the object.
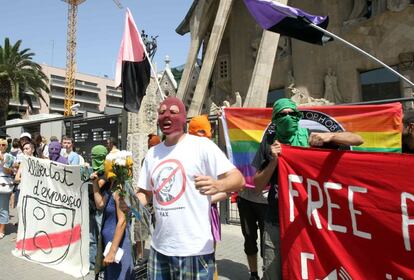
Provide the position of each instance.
(284, 114)
(3, 145)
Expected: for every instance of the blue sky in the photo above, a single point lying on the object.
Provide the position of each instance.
(42, 25)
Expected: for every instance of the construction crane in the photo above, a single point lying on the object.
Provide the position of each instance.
(71, 53)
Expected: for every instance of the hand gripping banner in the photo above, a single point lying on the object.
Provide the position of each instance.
(346, 215)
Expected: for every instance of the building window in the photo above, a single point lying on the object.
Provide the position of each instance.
(274, 95)
(223, 65)
(379, 84)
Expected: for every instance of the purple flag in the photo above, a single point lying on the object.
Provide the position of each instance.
(288, 21)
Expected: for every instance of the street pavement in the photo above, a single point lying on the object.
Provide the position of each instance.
(231, 260)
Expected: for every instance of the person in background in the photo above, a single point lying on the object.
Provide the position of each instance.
(115, 228)
(112, 145)
(72, 156)
(153, 140)
(25, 137)
(285, 129)
(55, 149)
(189, 169)
(54, 139)
(37, 140)
(252, 207)
(15, 147)
(141, 232)
(28, 150)
(408, 132)
(9, 145)
(200, 126)
(98, 154)
(6, 181)
(45, 147)
(112, 148)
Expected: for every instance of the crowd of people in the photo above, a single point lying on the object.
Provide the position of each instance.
(180, 182)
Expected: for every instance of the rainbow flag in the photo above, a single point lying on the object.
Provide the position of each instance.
(379, 125)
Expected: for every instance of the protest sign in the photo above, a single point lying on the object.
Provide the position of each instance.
(346, 215)
(53, 217)
(379, 125)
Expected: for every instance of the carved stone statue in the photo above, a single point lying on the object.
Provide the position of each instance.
(331, 87)
(358, 13)
(289, 84)
(214, 109)
(238, 102)
(226, 103)
(397, 5)
(302, 99)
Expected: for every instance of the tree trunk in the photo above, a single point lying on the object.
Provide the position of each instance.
(4, 108)
(4, 103)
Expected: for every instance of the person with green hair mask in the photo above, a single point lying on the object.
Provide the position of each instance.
(98, 154)
(285, 118)
(285, 129)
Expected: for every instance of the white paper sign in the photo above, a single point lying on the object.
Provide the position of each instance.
(53, 217)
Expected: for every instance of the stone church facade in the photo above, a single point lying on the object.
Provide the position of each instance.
(238, 57)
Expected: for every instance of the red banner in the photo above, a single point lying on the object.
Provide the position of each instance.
(346, 215)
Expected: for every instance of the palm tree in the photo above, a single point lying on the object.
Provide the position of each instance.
(18, 75)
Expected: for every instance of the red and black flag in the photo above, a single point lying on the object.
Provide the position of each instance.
(288, 21)
(133, 68)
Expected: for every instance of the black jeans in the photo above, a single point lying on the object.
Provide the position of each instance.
(252, 216)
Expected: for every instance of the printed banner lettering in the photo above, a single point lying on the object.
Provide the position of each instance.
(346, 215)
(53, 217)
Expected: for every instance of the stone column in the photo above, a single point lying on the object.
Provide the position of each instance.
(213, 47)
(262, 72)
(198, 27)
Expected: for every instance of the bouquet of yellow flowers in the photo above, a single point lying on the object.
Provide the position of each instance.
(120, 171)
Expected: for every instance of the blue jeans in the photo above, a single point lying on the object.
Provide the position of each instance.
(161, 267)
(4, 208)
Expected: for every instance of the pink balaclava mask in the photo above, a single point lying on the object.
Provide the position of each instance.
(171, 121)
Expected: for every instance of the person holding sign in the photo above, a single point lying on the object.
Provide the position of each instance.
(6, 187)
(408, 132)
(285, 129)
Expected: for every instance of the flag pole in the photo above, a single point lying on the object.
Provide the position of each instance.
(152, 69)
(326, 32)
(361, 51)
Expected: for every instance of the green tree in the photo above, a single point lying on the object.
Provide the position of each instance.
(19, 74)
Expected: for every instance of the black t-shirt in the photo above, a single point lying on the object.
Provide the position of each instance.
(262, 159)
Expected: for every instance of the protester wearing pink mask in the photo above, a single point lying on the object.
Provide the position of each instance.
(182, 173)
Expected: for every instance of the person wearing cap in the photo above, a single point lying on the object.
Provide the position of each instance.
(190, 169)
(26, 137)
(284, 129)
(408, 132)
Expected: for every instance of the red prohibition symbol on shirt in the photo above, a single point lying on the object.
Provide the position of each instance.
(167, 175)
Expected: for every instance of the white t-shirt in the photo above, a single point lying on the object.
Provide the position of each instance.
(182, 225)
